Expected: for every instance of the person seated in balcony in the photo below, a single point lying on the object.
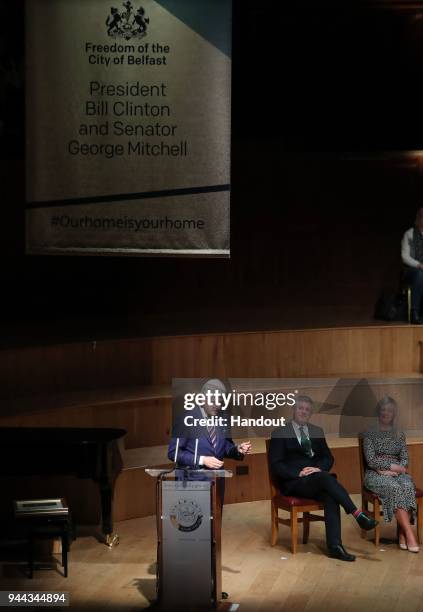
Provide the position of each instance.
(386, 456)
(412, 258)
(300, 461)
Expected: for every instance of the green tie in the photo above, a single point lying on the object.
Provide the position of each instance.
(305, 443)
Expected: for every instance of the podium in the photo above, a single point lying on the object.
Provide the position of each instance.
(189, 518)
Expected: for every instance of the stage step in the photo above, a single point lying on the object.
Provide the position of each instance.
(126, 362)
(144, 412)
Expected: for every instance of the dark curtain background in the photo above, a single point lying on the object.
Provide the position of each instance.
(326, 125)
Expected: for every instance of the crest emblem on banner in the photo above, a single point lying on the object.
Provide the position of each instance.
(127, 23)
(186, 515)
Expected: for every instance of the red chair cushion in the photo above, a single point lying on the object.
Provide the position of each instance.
(419, 492)
(288, 500)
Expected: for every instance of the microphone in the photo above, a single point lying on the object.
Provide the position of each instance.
(176, 451)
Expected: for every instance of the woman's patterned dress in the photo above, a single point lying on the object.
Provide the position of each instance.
(381, 449)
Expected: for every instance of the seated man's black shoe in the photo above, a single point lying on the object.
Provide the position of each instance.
(415, 318)
(366, 522)
(339, 552)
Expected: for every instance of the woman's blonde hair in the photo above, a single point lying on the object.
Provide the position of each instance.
(386, 400)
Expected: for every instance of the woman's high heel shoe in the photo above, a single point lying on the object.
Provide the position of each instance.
(402, 540)
(413, 549)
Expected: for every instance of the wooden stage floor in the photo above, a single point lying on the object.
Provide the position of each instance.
(256, 576)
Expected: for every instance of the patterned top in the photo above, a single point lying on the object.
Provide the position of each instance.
(381, 450)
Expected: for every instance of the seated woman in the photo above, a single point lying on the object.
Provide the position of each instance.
(386, 475)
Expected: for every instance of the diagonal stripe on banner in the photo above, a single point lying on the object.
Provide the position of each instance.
(212, 19)
(128, 196)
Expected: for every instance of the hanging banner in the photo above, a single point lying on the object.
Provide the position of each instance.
(128, 127)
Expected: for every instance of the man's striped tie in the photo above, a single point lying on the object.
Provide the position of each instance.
(212, 434)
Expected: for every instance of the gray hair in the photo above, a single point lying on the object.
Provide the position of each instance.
(304, 399)
(213, 384)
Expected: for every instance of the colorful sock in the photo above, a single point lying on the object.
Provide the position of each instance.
(357, 513)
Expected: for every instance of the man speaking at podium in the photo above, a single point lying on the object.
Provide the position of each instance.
(210, 445)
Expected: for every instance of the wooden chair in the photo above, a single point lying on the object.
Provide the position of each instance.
(368, 496)
(294, 506)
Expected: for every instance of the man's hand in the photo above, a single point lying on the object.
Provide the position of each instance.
(244, 448)
(387, 473)
(212, 463)
(309, 470)
(399, 469)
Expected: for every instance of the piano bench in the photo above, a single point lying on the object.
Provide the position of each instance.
(45, 528)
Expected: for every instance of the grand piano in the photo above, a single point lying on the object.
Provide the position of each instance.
(84, 452)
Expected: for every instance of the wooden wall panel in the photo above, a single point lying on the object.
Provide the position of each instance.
(73, 366)
(251, 487)
(135, 495)
(339, 351)
(147, 422)
(347, 468)
(135, 492)
(415, 453)
(152, 361)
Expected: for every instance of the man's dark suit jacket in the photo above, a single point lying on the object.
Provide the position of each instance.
(225, 447)
(287, 457)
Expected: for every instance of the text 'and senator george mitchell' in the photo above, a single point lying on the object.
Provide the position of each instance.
(128, 118)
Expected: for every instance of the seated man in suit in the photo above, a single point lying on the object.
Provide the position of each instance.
(207, 447)
(300, 461)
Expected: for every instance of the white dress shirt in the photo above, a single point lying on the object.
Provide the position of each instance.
(407, 249)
